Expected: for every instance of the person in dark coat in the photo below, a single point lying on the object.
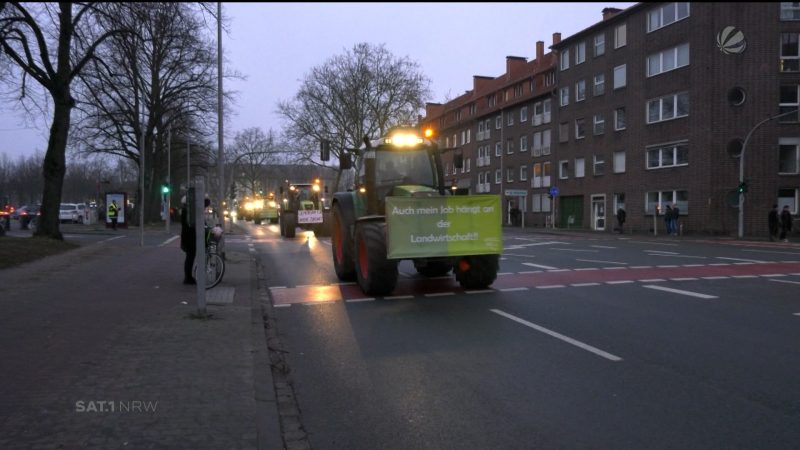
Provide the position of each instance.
(620, 218)
(668, 218)
(676, 213)
(786, 223)
(188, 241)
(773, 222)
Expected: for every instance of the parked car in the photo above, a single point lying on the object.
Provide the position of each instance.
(69, 212)
(25, 214)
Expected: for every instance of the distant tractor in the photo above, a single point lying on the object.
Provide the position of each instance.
(302, 206)
(401, 209)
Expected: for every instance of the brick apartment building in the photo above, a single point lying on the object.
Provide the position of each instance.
(648, 107)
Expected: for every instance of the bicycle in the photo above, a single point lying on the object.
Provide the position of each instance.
(215, 263)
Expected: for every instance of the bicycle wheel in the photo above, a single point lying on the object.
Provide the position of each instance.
(215, 269)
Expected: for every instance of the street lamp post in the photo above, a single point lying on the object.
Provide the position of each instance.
(169, 180)
(741, 164)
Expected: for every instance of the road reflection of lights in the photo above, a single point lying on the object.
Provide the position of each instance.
(311, 239)
(260, 232)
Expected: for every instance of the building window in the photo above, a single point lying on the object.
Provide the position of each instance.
(538, 114)
(509, 146)
(619, 162)
(537, 144)
(518, 90)
(472, 109)
(523, 173)
(498, 176)
(669, 155)
(487, 129)
(563, 170)
(498, 149)
(788, 197)
(790, 10)
(790, 52)
(580, 166)
(565, 96)
(790, 101)
(667, 60)
(580, 53)
(545, 203)
(668, 107)
(789, 156)
(620, 36)
(619, 119)
(463, 137)
(523, 114)
(546, 142)
(509, 118)
(547, 107)
(599, 165)
(537, 176)
(580, 128)
(537, 202)
(498, 122)
(563, 132)
(550, 78)
(580, 91)
(599, 124)
(599, 84)
(666, 14)
(546, 174)
(467, 161)
(523, 144)
(620, 76)
(510, 175)
(564, 59)
(599, 45)
(488, 182)
(661, 198)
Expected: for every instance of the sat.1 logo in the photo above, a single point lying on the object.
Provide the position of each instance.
(731, 41)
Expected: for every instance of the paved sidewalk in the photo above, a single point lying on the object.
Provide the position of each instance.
(99, 350)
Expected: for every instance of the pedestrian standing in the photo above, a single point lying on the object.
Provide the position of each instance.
(620, 218)
(773, 222)
(188, 244)
(786, 223)
(668, 219)
(676, 212)
(113, 211)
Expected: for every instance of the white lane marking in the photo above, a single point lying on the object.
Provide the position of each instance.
(481, 291)
(774, 275)
(560, 336)
(653, 243)
(652, 280)
(603, 262)
(277, 287)
(282, 306)
(516, 289)
(358, 300)
(307, 285)
(503, 259)
(786, 281)
(398, 297)
(676, 256)
(575, 250)
(641, 267)
(742, 259)
(539, 266)
(319, 303)
(614, 268)
(769, 251)
(519, 256)
(720, 264)
(559, 270)
(584, 284)
(693, 265)
(161, 244)
(678, 291)
(110, 239)
(440, 294)
(551, 286)
(619, 282)
(586, 268)
(661, 251)
(715, 278)
(502, 273)
(666, 267)
(744, 276)
(251, 250)
(528, 272)
(601, 246)
(683, 279)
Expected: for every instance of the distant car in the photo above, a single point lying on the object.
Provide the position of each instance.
(25, 214)
(69, 212)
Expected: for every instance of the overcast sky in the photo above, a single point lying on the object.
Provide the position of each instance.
(275, 44)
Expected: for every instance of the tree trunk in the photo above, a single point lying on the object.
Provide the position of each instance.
(54, 167)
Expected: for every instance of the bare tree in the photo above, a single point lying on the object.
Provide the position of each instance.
(252, 149)
(361, 93)
(33, 37)
(164, 78)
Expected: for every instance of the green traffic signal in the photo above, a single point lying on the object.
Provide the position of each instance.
(742, 187)
(165, 189)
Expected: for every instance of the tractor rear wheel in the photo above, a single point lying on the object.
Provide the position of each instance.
(376, 274)
(342, 247)
(476, 272)
(289, 222)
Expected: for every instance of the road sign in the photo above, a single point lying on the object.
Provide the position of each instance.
(516, 193)
(554, 191)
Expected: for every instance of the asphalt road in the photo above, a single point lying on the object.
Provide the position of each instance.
(584, 341)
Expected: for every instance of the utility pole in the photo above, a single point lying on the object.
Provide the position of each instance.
(741, 164)
(220, 160)
(169, 181)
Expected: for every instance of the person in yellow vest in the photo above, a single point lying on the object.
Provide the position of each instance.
(113, 210)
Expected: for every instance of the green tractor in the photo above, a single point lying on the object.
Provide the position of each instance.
(302, 206)
(401, 209)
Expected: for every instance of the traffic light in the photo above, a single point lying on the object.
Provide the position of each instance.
(742, 187)
(165, 188)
